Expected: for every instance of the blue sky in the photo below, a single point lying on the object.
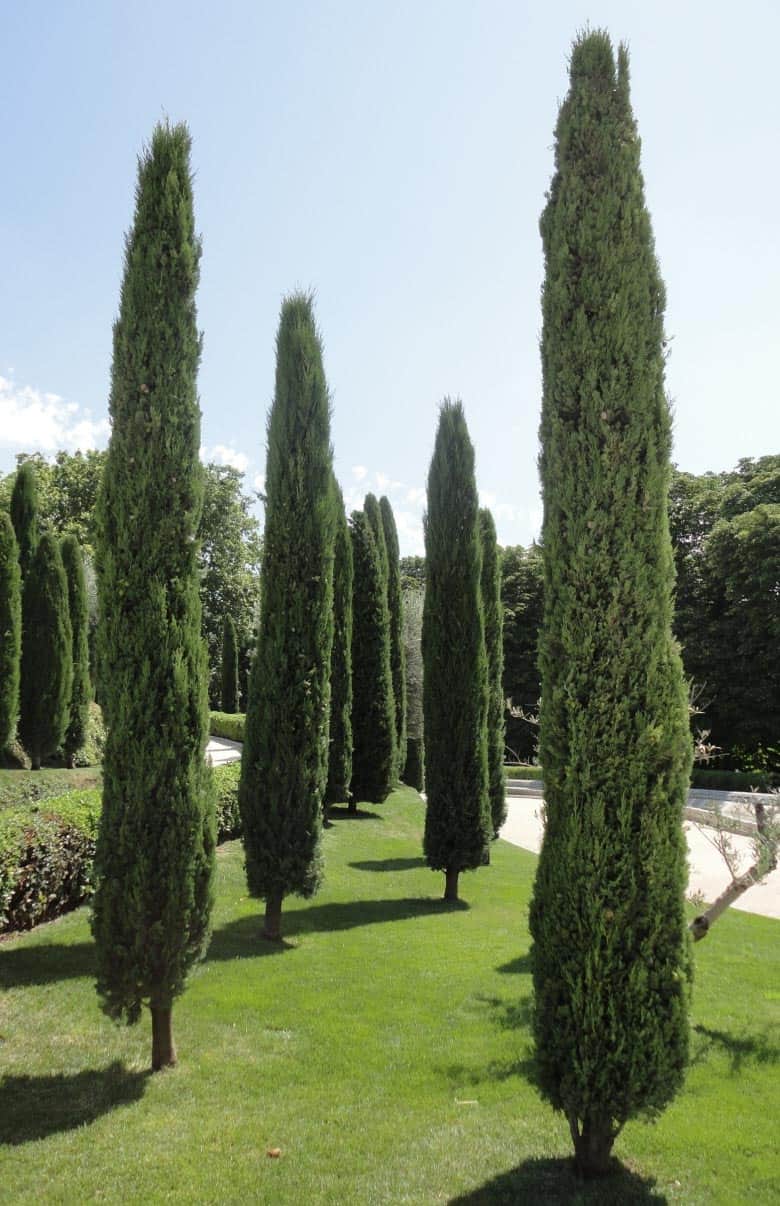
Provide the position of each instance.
(394, 158)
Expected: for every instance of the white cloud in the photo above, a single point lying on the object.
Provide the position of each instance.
(221, 454)
(415, 495)
(359, 472)
(44, 422)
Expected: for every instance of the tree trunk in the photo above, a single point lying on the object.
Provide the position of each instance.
(35, 761)
(701, 925)
(163, 1050)
(273, 917)
(592, 1145)
(451, 883)
(71, 761)
(352, 806)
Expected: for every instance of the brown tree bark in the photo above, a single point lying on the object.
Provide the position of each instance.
(163, 1049)
(273, 917)
(593, 1142)
(701, 925)
(451, 883)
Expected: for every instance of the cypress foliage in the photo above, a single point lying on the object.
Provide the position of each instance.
(340, 752)
(80, 693)
(494, 651)
(155, 849)
(24, 513)
(396, 608)
(10, 630)
(229, 693)
(414, 771)
(457, 819)
(373, 514)
(609, 956)
(47, 654)
(373, 716)
(285, 759)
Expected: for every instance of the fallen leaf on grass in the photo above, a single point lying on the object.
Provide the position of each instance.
(274, 1152)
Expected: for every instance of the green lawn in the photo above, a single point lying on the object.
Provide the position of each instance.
(27, 786)
(384, 1051)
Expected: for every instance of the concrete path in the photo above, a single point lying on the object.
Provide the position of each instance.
(708, 874)
(221, 750)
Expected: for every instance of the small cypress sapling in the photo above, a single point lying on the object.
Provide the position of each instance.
(80, 693)
(457, 818)
(373, 718)
(340, 752)
(285, 759)
(24, 513)
(47, 654)
(396, 609)
(10, 630)
(610, 957)
(229, 667)
(494, 649)
(156, 842)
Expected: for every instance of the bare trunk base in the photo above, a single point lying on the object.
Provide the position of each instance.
(163, 1050)
(352, 806)
(70, 761)
(35, 763)
(451, 883)
(273, 918)
(593, 1144)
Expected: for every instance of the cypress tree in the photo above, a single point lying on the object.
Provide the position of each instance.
(229, 667)
(78, 610)
(457, 818)
(373, 717)
(155, 849)
(24, 513)
(10, 630)
(340, 751)
(373, 514)
(396, 608)
(47, 654)
(609, 957)
(285, 760)
(494, 651)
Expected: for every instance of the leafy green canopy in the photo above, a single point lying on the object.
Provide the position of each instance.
(47, 653)
(285, 758)
(340, 751)
(10, 630)
(494, 651)
(610, 960)
(81, 690)
(396, 608)
(155, 851)
(457, 820)
(373, 717)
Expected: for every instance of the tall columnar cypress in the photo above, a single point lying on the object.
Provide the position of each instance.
(340, 751)
(155, 850)
(494, 650)
(609, 956)
(457, 819)
(285, 759)
(229, 694)
(24, 513)
(10, 630)
(47, 654)
(373, 514)
(78, 610)
(396, 608)
(373, 716)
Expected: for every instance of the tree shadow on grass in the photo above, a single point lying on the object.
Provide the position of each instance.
(508, 1015)
(33, 1107)
(751, 1049)
(243, 936)
(519, 966)
(389, 864)
(45, 962)
(548, 1182)
(340, 812)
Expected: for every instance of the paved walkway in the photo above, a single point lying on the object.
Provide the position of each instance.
(708, 873)
(221, 750)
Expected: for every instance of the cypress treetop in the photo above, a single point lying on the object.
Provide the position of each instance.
(373, 514)
(457, 818)
(155, 849)
(285, 758)
(609, 956)
(373, 717)
(396, 609)
(494, 650)
(47, 654)
(24, 513)
(81, 691)
(10, 630)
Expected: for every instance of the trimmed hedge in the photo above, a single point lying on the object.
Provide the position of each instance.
(722, 780)
(47, 850)
(523, 772)
(227, 724)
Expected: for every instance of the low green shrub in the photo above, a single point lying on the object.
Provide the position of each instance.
(414, 770)
(523, 772)
(47, 849)
(227, 724)
(91, 752)
(723, 780)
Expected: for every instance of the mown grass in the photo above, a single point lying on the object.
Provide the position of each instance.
(384, 1049)
(28, 786)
